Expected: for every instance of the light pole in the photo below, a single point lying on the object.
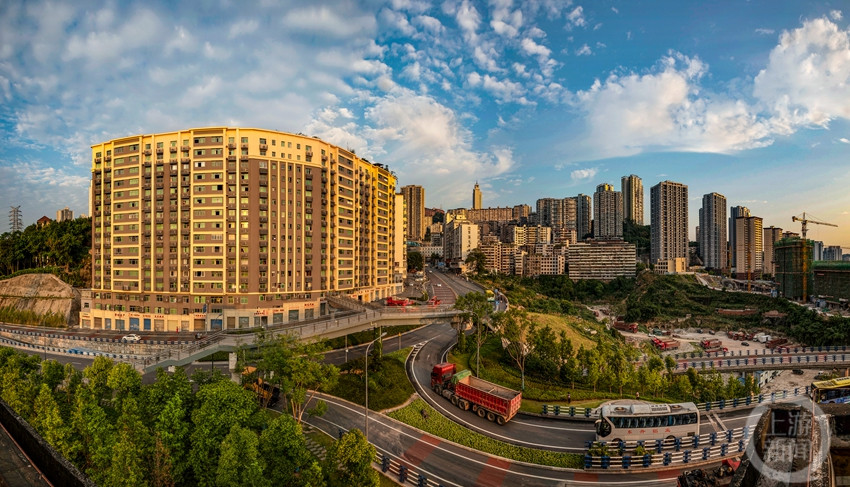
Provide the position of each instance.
(367, 383)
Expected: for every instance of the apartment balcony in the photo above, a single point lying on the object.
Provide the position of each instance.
(147, 152)
(159, 150)
(97, 160)
(231, 146)
(243, 158)
(185, 160)
(324, 158)
(231, 158)
(172, 149)
(184, 148)
(107, 158)
(244, 146)
(185, 171)
(264, 147)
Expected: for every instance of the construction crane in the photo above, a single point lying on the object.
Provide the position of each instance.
(805, 221)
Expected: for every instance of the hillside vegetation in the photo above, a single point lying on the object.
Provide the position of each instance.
(60, 248)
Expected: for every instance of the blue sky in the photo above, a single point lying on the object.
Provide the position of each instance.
(532, 99)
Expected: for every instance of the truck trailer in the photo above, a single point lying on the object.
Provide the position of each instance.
(466, 391)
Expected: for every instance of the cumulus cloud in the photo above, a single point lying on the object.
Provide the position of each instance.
(763, 31)
(584, 51)
(844, 140)
(836, 15)
(576, 18)
(584, 174)
(807, 75)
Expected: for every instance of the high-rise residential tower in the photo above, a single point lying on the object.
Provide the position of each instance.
(476, 197)
(632, 188)
(749, 247)
(734, 213)
(584, 213)
(669, 221)
(607, 212)
(414, 200)
(64, 214)
(771, 236)
(712, 231)
(224, 227)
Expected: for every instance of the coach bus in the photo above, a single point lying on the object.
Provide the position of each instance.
(835, 391)
(630, 422)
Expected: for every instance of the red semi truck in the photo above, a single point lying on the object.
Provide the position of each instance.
(465, 391)
(394, 301)
(622, 325)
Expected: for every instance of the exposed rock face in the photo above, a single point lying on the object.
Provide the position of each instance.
(41, 294)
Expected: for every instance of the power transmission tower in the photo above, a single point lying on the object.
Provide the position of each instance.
(15, 221)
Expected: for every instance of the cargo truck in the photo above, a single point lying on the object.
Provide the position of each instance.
(496, 403)
(622, 325)
(394, 301)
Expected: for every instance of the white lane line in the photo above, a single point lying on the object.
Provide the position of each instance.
(504, 438)
(381, 419)
(579, 430)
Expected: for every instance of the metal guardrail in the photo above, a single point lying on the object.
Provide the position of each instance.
(719, 405)
(684, 450)
(764, 352)
(751, 362)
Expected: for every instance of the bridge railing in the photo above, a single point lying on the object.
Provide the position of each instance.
(781, 350)
(558, 410)
(679, 451)
(787, 361)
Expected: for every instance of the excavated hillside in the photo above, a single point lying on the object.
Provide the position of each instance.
(41, 294)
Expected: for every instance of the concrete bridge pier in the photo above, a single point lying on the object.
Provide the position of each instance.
(231, 365)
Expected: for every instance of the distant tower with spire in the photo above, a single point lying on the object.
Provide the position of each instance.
(476, 197)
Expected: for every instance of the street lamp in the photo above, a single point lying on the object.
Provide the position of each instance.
(367, 382)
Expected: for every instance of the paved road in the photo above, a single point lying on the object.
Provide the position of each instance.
(452, 465)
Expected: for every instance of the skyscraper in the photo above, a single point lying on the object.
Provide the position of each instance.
(669, 221)
(712, 231)
(64, 214)
(607, 212)
(550, 212)
(632, 188)
(414, 201)
(583, 215)
(476, 197)
(227, 227)
(749, 247)
(734, 213)
(771, 236)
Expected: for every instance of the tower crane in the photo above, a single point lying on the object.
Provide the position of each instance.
(805, 221)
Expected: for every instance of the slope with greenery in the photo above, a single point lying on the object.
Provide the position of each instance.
(60, 248)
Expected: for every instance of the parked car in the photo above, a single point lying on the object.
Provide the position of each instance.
(746, 344)
(131, 338)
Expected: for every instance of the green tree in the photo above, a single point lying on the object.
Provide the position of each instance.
(49, 423)
(239, 463)
(476, 308)
(97, 375)
(287, 460)
(517, 330)
(125, 382)
(97, 432)
(132, 452)
(52, 374)
(349, 462)
(220, 406)
(477, 260)
(415, 261)
(171, 433)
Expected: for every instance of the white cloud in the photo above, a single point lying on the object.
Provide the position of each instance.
(584, 174)
(318, 19)
(576, 18)
(141, 29)
(763, 31)
(242, 27)
(535, 49)
(614, 9)
(468, 19)
(836, 15)
(844, 140)
(807, 75)
(584, 51)
(431, 24)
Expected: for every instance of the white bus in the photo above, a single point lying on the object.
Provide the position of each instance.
(631, 422)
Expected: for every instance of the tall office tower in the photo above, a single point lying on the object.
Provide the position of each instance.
(570, 214)
(771, 236)
(669, 221)
(734, 213)
(817, 249)
(414, 200)
(584, 214)
(476, 197)
(749, 247)
(550, 212)
(632, 187)
(712, 231)
(64, 215)
(607, 212)
(224, 227)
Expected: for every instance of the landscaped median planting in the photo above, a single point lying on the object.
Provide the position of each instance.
(438, 425)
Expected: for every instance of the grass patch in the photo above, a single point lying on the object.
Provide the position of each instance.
(388, 383)
(569, 324)
(216, 357)
(439, 425)
(321, 438)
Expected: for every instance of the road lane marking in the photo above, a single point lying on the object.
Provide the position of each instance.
(382, 420)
